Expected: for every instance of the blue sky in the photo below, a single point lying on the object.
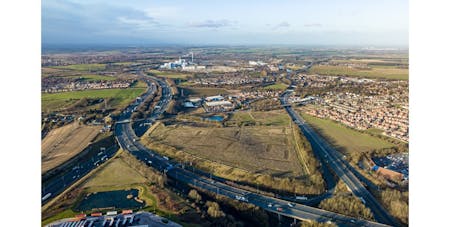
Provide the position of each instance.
(231, 22)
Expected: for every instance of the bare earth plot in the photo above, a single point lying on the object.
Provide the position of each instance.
(258, 149)
(63, 143)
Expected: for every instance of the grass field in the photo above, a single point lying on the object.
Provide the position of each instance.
(345, 139)
(171, 75)
(268, 148)
(117, 174)
(375, 60)
(139, 84)
(277, 86)
(59, 101)
(256, 149)
(87, 77)
(125, 63)
(82, 67)
(192, 91)
(375, 72)
(65, 142)
(269, 152)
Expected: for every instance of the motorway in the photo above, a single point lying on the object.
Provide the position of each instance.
(336, 161)
(62, 180)
(130, 142)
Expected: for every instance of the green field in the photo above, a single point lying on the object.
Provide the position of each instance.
(59, 101)
(277, 86)
(139, 84)
(89, 77)
(171, 75)
(345, 139)
(374, 72)
(117, 173)
(83, 67)
(192, 91)
(125, 63)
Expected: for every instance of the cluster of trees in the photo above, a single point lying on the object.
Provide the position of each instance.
(266, 104)
(397, 203)
(290, 185)
(305, 150)
(146, 108)
(347, 205)
(193, 194)
(214, 210)
(248, 212)
(173, 87)
(217, 217)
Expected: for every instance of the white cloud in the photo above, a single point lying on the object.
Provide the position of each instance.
(211, 24)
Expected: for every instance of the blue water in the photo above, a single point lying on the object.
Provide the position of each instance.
(116, 199)
(215, 118)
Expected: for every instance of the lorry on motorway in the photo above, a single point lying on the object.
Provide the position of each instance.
(98, 214)
(46, 196)
(127, 211)
(301, 198)
(80, 216)
(362, 200)
(241, 198)
(110, 213)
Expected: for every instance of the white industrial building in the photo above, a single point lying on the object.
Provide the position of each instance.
(218, 103)
(214, 98)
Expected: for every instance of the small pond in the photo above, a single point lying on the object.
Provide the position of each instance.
(214, 118)
(121, 199)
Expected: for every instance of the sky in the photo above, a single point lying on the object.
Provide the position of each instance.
(231, 22)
